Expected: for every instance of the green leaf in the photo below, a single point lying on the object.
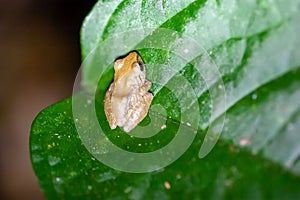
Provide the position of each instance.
(255, 49)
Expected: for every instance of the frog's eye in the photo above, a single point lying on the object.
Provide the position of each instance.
(142, 66)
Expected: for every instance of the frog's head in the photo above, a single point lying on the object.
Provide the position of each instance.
(131, 63)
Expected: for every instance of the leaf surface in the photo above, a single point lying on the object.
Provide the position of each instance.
(255, 48)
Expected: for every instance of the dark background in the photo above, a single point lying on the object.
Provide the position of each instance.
(39, 59)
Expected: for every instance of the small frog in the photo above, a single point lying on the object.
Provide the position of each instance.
(127, 100)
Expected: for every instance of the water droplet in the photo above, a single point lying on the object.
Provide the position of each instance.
(53, 160)
(58, 180)
(254, 96)
(163, 127)
(167, 185)
(178, 176)
(245, 142)
(128, 189)
(72, 174)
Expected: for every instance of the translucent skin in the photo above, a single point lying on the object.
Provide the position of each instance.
(127, 100)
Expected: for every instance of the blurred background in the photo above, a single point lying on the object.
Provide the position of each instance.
(39, 59)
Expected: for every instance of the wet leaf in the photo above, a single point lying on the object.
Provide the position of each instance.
(248, 49)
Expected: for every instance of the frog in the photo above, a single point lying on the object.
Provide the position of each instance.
(127, 100)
